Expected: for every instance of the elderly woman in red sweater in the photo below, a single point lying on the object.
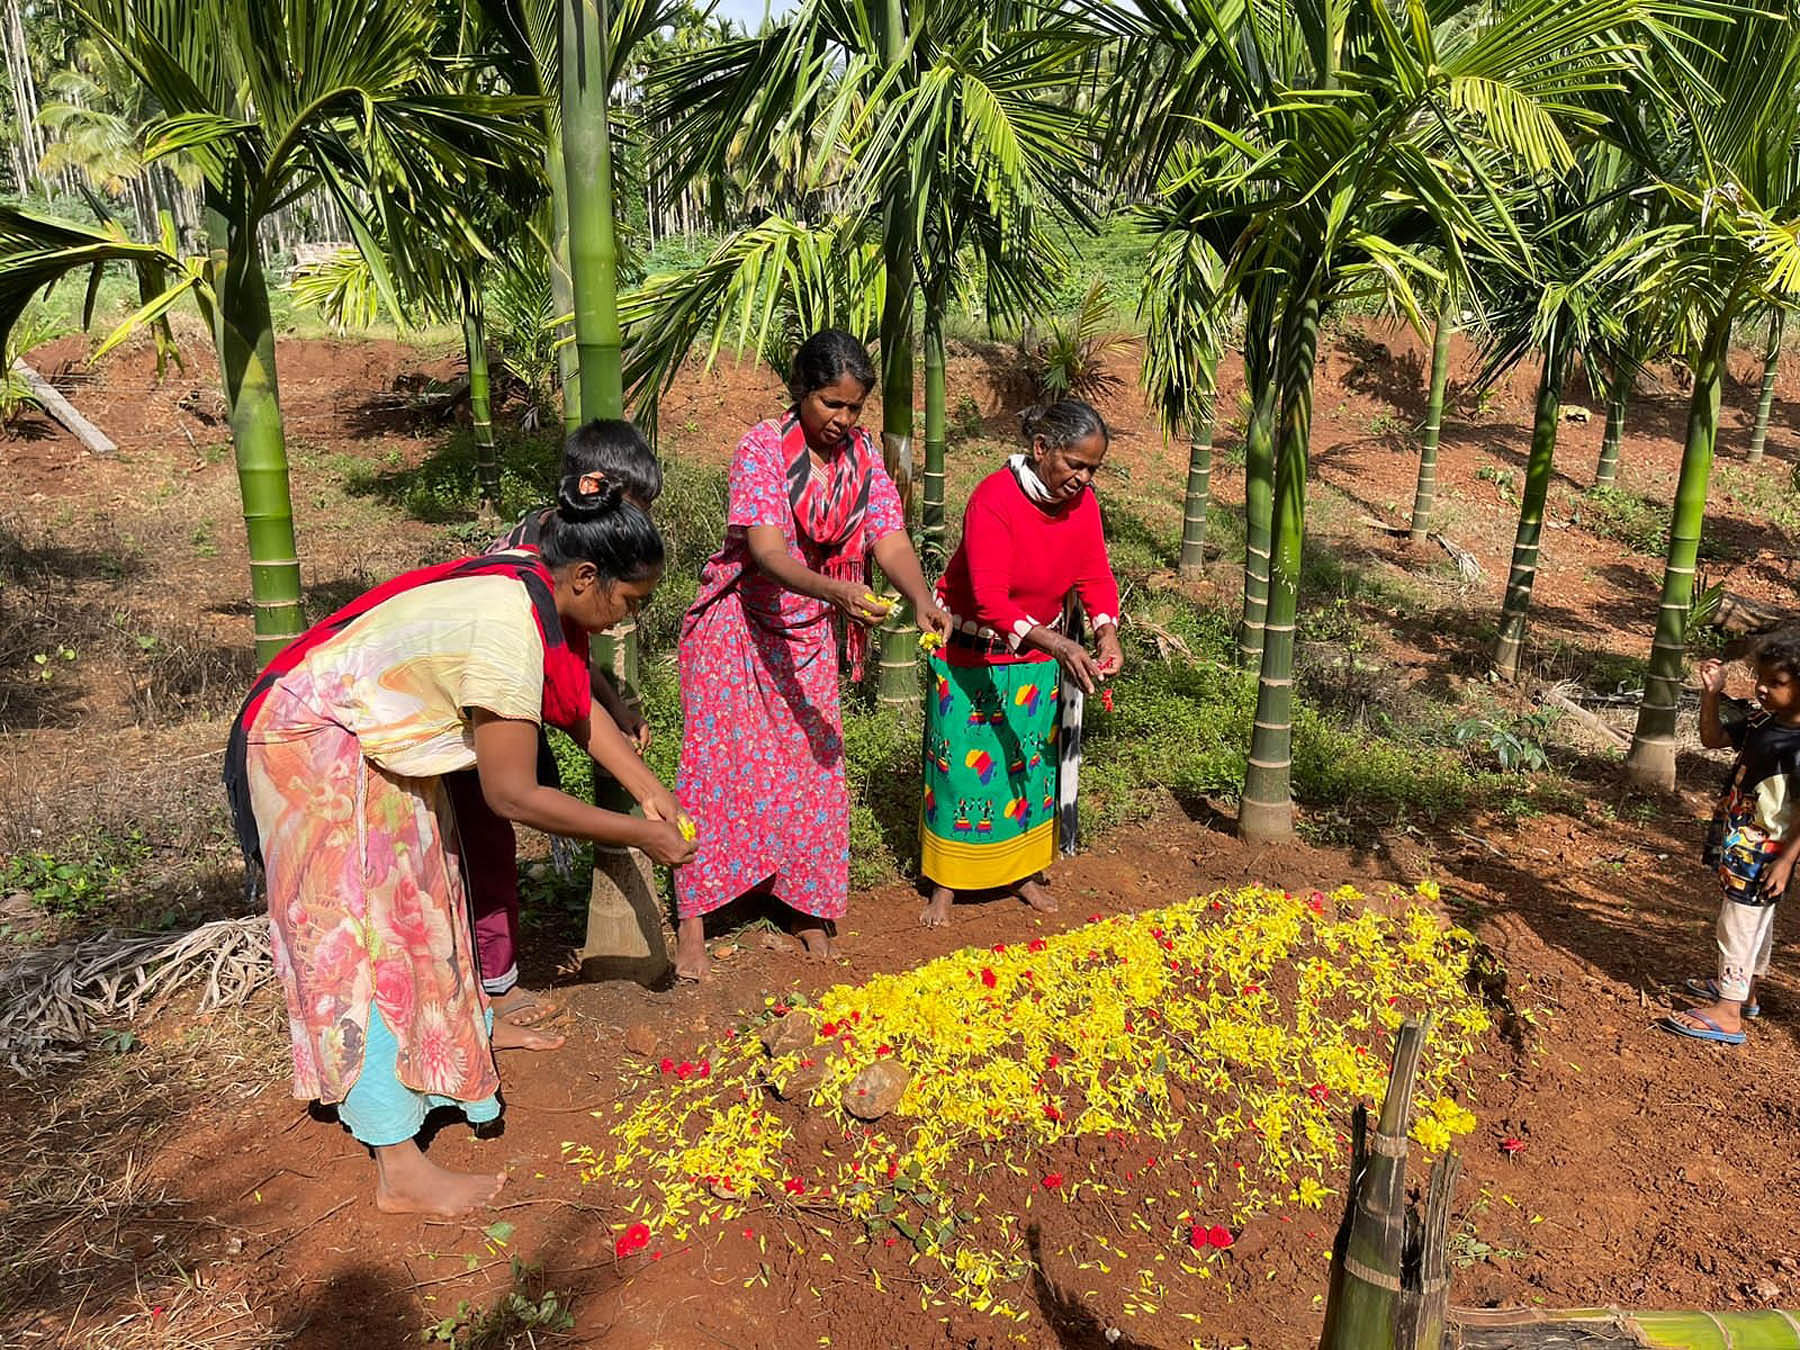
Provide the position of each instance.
(1001, 746)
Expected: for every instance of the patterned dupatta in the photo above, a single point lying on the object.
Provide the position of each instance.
(831, 509)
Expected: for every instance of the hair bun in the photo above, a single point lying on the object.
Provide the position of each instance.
(574, 504)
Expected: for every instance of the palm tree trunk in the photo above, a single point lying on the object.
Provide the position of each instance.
(593, 245)
(1266, 814)
(1618, 398)
(245, 336)
(487, 461)
(1259, 477)
(562, 290)
(897, 683)
(1528, 539)
(1652, 757)
(932, 516)
(1425, 496)
(1198, 500)
(1765, 403)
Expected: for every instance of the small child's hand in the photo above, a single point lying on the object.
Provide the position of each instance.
(1712, 676)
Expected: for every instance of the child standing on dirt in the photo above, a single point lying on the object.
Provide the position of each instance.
(1755, 836)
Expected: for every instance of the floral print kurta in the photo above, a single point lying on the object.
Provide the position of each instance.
(366, 900)
(762, 750)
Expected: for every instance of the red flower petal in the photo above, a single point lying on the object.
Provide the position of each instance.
(634, 1239)
(1052, 1180)
(1218, 1236)
(1197, 1235)
(988, 977)
(1036, 945)
(1512, 1144)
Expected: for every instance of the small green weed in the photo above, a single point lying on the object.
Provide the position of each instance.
(509, 1324)
(1613, 513)
(1518, 747)
(79, 877)
(1505, 481)
(965, 420)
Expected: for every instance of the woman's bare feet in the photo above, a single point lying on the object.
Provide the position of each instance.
(407, 1182)
(511, 1036)
(525, 1007)
(815, 938)
(691, 960)
(937, 910)
(1033, 892)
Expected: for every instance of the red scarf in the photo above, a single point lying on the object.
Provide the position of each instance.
(831, 509)
(567, 690)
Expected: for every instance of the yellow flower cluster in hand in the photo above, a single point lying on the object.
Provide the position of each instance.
(1229, 1036)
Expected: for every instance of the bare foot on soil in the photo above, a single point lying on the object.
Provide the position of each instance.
(691, 961)
(511, 1036)
(937, 910)
(1034, 894)
(407, 1182)
(525, 1007)
(818, 943)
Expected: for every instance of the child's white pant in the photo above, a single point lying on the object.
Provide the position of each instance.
(1746, 935)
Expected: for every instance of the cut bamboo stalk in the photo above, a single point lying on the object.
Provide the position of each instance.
(94, 440)
(1389, 1286)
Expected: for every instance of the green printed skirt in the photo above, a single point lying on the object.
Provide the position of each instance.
(990, 773)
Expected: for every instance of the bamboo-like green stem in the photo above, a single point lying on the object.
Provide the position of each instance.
(475, 349)
(1528, 539)
(562, 289)
(1425, 495)
(1266, 814)
(1259, 475)
(1652, 757)
(931, 521)
(897, 683)
(1198, 498)
(1765, 403)
(587, 172)
(244, 333)
(1618, 400)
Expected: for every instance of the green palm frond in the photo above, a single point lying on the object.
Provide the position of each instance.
(763, 288)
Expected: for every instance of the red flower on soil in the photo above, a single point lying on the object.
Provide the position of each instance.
(1219, 1236)
(794, 1186)
(1197, 1237)
(1036, 945)
(998, 948)
(633, 1240)
(1318, 1092)
(1052, 1180)
(882, 1051)
(1512, 1144)
(893, 1170)
(829, 1029)
(706, 1068)
(684, 1070)
(667, 1066)
(1051, 1112)
(1053, 1061)
(988, 977)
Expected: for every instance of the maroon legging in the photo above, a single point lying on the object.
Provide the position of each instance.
(490, 864)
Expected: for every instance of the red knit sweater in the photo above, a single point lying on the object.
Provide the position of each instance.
(1017, 563)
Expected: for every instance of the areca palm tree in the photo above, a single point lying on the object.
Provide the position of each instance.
(1358, 140)
(269, 101)
(1765, 402)
(1730, 184)
(952, 119)
(1587, 243)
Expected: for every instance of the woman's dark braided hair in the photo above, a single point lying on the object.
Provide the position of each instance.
(1064, 423)
(601, 528)
(824, 359)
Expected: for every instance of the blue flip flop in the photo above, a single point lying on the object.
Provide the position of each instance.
(1709, 988)
(1712, 1032)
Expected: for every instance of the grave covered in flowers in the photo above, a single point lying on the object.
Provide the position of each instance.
(1137, 1089)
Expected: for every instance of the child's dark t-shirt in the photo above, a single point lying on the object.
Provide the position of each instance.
(1761, 808)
